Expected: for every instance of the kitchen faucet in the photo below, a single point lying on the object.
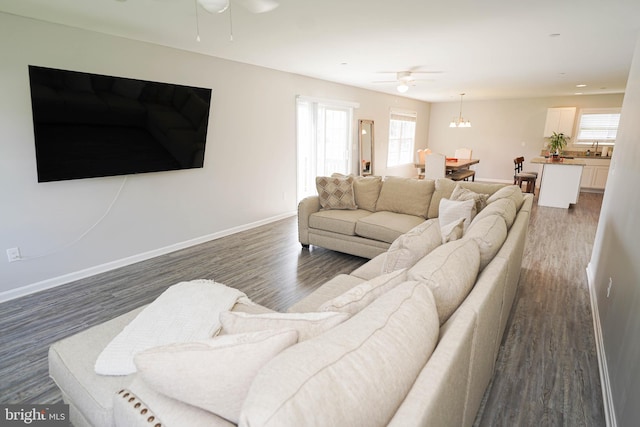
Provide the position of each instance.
(596, 144)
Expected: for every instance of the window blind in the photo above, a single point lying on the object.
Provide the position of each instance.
(601, 127)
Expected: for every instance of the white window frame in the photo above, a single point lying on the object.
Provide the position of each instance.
(401, 150)
(316, 142)
(582, 140)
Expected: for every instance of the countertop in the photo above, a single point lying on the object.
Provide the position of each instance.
(590, 157)
(563, 161)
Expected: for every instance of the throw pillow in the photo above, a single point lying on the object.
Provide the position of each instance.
(336, 192)
(451, 211)
(450, 272)
(308, 325)
(358, 373)
(452, 231)
(461, 193)
(216, 374)
(413, 245)
(360, 296)
(406, 195)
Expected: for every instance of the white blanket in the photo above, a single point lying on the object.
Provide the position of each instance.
(187, 311)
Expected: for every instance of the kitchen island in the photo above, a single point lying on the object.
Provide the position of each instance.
(560, 183)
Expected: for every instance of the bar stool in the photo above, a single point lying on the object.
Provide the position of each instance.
(519, 176)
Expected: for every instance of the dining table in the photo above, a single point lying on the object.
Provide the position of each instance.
(452, 164)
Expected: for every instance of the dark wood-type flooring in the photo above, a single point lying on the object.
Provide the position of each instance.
(546, 373)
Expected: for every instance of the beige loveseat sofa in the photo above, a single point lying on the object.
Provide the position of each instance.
(418, 348)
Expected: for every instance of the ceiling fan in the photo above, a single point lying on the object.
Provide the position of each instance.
(254, 6)
(404, 79)
(220, 6)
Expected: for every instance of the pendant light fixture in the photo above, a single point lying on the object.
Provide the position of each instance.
(460, 122)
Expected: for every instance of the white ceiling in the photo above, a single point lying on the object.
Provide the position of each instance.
(489, 49)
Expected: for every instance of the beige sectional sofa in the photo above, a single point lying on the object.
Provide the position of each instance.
(417, 348)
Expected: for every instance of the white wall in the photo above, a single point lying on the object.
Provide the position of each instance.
(616, 257)
(249, 175)
(502, 130)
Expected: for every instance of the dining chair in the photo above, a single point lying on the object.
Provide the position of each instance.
(519, 176)
(463, 153)
(434, 166)
(463, 174)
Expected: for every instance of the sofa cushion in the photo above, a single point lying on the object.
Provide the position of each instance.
(406, 196)
(308, 325)
(371, 268)
(512, 192)
(337, 221)
(451, 211)
(360, 296)
(489, 233)
(357, 373)
(71, 365)
(504, 207)
(386, 226)
(460, 193)
(329, 290)
(450, 271)
(336, 192)
(367, 191)
(215, 374)
(413, 245)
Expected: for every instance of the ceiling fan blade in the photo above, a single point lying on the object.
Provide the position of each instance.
(214, 6)
(259, 6)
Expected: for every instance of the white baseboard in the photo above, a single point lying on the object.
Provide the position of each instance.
(77, 275)
(609, 409)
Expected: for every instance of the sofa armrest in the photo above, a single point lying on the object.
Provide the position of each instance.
(306, 207)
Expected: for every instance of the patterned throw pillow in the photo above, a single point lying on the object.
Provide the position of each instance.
(462, 194)
(336, 192)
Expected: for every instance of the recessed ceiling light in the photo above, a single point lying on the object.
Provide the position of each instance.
(578, 93)
(581, 85)
(344, 63)
(554, 35)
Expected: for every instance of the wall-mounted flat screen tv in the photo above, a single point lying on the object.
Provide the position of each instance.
(91, 125)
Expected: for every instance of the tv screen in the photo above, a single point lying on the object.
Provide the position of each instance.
(91, 125)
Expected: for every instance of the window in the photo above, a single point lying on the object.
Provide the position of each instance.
(402, 135)
(598, 125)
(324, 140)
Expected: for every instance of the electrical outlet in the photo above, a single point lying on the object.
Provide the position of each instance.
(13, 254)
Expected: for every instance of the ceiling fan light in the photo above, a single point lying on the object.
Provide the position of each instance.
(402, 87)
(214, 6)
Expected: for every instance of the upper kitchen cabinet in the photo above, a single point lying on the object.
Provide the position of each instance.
(560, 120)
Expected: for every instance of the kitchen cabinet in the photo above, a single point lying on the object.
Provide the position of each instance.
(595, 173)
(560, 120)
